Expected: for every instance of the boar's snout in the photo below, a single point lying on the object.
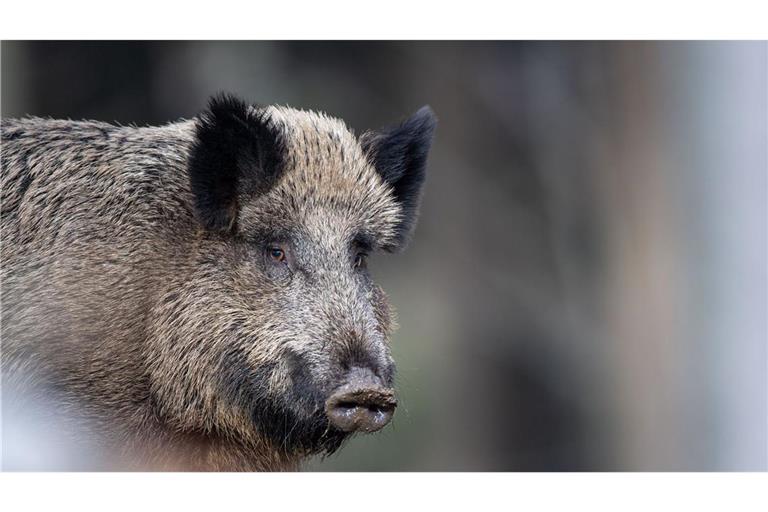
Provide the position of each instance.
(362, 404)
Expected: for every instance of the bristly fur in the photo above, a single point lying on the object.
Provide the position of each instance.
(139, 293)
(399, 154)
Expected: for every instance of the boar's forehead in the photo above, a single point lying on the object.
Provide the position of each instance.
(327, 184)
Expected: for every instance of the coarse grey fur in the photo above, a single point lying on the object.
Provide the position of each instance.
(174, 346)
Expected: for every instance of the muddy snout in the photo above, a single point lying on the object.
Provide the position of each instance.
(363, 404)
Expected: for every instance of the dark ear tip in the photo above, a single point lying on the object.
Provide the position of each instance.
(427, 112)
(223, 104)
(425, 117)
(224, 98)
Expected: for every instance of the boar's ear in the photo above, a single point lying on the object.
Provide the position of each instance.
(236, 152)
(399, 154)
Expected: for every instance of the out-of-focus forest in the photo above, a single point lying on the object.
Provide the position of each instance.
(586, 289)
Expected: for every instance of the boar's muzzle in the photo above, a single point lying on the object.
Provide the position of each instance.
(362, 404)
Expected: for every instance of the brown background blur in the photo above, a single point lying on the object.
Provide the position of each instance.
(586, 289)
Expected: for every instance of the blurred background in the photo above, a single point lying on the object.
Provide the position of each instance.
(586, 289)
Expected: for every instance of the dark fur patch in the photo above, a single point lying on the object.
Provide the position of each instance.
(236, 151)
(275, 417)
(10, 135)
(399, 154)
(364, 242)
(26, 181)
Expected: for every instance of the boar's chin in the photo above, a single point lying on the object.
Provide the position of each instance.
(295, 421)
(292, 433)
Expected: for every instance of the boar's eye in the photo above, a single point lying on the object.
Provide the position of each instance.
(360, 260)
(276, 254)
